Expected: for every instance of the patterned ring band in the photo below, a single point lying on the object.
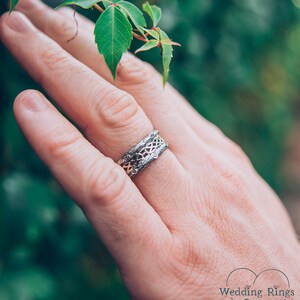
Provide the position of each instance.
(141, 155)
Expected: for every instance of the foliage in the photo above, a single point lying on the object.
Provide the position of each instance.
(13, 4)
(239, 68)
(113, 34)
(113, 30)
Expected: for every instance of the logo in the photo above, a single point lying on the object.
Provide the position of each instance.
(245, 284)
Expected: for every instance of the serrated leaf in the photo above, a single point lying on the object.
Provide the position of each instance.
(113, 35)
(82, 3)
(167, 55)
(148, 46)
(13, 4)
(134, 13)
(153, 11)
(152, 32)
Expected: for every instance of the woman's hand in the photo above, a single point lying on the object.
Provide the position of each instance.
(192, 216)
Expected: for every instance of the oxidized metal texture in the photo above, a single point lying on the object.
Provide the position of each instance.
(141, 155)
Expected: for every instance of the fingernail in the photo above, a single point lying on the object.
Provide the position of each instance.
(19, 23)
(34, 102)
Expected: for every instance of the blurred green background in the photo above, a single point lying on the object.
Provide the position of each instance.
(238, 65)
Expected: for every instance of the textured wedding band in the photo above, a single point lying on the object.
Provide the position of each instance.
(141, 155)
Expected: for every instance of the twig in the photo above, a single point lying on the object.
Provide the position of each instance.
(98, 7)
(139, 37)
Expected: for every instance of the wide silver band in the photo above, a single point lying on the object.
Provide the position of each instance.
(141, 155)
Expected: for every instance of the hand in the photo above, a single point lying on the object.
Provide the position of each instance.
(192, 216)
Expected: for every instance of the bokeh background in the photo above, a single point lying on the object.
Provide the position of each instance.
(239, 65)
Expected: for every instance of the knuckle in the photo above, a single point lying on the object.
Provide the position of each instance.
(229, 177)
(237, 151)
(233, 182)
(105, 183)
(60, 145)
(53, 60)
(117, 108)
(187, 265)
(62, 28)
(133, 70)
(56, 24)
(215, 129)
(186, 255)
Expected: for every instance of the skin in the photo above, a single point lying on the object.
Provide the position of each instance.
(191, 217)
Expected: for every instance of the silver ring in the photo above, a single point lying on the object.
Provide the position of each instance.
(141, 155)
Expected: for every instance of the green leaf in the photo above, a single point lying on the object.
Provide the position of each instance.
(153, 11)
(148, 46)
(170, 42)
(113, 35)
(167, 54)
(82, 3)
(13, 4)
(152, 32)
(134, 13)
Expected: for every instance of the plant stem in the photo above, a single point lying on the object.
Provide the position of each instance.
(139, 37)
(99, 8)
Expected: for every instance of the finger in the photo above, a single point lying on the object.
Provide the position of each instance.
(204, 129)
(112, 203)
(201, 128)
(111, 118)
(166, 110)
